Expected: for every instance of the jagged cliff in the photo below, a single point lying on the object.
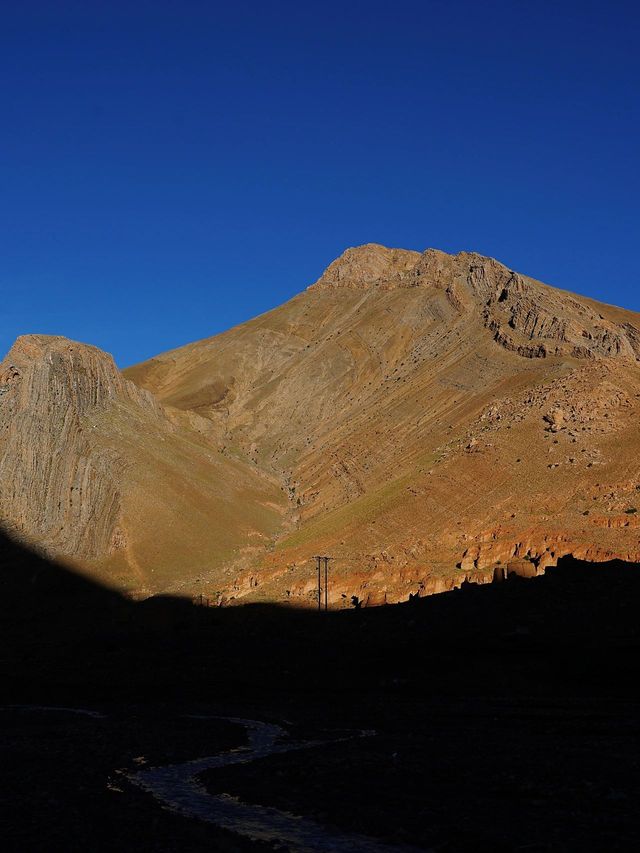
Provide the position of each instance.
(422, 417)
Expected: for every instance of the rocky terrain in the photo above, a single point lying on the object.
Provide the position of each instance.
(96, 473)
(423, 418)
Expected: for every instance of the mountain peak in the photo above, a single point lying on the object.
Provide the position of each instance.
(33, 346)
(523, 315)
(370, 265)
(374, 265)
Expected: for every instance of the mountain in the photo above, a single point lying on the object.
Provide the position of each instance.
(423, 418)
(99, 475)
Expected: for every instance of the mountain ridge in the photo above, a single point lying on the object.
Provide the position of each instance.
(389, 415)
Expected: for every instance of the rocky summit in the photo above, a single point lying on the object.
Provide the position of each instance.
(422, 418)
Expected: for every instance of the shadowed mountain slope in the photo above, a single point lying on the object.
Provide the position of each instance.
(497, 717)
(464, 698)
(66, 638)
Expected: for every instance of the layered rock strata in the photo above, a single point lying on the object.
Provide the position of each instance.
(58, 484)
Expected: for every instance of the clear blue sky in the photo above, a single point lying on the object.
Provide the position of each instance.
(169, 169)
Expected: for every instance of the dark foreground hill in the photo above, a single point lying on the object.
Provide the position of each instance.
(505, 715)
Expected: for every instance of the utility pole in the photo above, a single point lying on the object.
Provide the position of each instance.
(319, 585)
(319, 560)
(326, 582)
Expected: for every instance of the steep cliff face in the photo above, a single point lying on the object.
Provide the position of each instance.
(58, 485)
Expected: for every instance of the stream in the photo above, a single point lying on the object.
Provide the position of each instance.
(177, 787)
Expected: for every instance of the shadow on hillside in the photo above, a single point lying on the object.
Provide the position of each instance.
(501, 712)
(574, 631)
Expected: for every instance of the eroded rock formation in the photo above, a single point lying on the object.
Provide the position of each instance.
(58, 484)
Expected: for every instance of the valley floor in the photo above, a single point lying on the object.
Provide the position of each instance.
(482, 775)
(492, 718)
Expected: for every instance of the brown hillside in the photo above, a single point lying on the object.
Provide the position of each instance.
(423, 418)
(97, 473)
(431, 417)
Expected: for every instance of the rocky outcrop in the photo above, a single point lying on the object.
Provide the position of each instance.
(523, 315)
(59, 485)
(537, 321)
(369, 266)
